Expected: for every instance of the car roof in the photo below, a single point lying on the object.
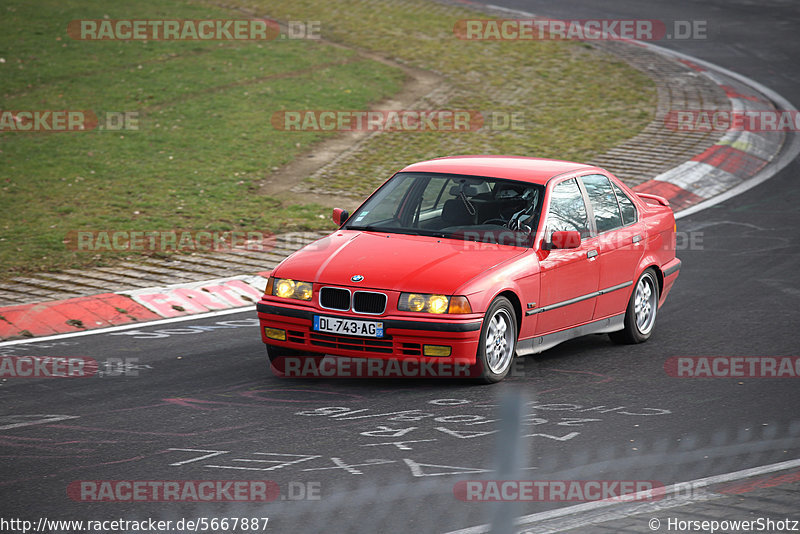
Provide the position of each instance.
(534, 170)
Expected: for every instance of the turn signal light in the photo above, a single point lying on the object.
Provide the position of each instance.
(459, 304)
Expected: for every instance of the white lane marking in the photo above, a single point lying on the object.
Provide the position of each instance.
(564, 524)
(526, 520)
(26, 420)
(417, 471)
(129, 326)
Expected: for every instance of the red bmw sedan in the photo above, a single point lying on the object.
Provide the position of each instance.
(475, 260)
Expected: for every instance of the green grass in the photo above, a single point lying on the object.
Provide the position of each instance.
(205, 138)
(577, 102)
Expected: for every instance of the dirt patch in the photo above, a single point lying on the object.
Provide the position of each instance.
(419, 84)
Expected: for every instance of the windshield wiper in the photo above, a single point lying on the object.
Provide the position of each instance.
(373, 228)
(403, 231)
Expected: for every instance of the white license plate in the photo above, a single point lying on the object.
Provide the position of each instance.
(349, 327)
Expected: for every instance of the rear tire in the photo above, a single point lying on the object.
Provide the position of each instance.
(498, 342)
(640, 316)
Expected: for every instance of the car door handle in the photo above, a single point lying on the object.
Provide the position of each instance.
(591, 254)
(636, 239)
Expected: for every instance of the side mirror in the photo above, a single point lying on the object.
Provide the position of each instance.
(565, 239)
(339, 216)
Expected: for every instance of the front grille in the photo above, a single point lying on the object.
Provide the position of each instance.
(295, 336)
(369, 302)
(411, 349)
(351, 343)
(334, 298)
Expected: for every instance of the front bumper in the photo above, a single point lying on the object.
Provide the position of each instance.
(403, 337)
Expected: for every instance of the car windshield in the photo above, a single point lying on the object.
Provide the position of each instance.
(452, 206)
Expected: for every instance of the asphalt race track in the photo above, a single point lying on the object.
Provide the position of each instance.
(195, 400)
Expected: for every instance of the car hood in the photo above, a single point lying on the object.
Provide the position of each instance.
(394, 261)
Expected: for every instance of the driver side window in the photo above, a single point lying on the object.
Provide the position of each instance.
(567, 209)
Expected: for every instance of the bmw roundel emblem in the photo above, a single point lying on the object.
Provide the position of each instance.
(356, 278)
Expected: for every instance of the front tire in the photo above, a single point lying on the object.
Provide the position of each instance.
(498, 342)
(640, 316)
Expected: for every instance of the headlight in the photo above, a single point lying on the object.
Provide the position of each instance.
(438, 304)
(289, 289)
(421, 302)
